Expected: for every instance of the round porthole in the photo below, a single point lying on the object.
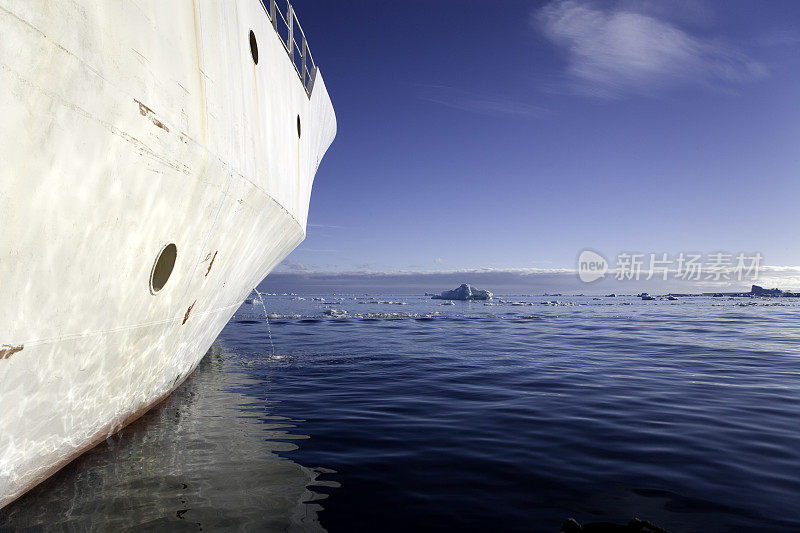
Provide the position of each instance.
(253, 47)
(162, 269)
(298, 126)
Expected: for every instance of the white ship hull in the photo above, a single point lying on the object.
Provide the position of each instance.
(127, 126)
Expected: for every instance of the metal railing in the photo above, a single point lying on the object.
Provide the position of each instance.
(288, 29)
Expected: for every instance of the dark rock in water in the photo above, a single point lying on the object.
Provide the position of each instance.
(464, 292)
(761, 291)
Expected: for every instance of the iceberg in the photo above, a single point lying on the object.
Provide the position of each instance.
(464, 292)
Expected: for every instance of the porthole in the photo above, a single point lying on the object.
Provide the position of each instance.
(298, 126)
(253, 47)
(162, 268)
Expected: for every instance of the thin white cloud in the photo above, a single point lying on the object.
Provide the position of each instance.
(479, 104)
(612, 52)
(537, 279)
(406, 272)
(768, 271)
(785, 37)
(293, 266)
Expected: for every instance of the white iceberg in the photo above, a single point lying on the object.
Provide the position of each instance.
(464, 292)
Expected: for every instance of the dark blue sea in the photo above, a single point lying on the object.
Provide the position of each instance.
(396, 413)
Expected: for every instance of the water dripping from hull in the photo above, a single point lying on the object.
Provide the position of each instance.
(266, 319)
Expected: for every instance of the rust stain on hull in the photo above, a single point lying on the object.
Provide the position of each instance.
(186, 316)
(7, 350)
(211, 263)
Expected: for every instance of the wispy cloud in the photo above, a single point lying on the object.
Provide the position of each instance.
(612, 51)
(437, 272)
(477, 103)
(528, 279)
(780, 276)
(785, 37)
(769, 272)
(293, 266)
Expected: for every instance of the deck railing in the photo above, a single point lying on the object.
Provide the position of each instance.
(286, 25)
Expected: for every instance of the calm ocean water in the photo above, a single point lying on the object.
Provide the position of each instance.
(410, 415)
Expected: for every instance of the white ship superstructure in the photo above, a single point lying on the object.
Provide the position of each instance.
(156, 162)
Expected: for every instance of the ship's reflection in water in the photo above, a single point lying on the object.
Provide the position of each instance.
(203, 459)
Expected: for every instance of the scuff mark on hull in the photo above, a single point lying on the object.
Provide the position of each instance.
(149, 113)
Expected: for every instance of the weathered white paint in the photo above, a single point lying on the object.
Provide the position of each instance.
(127, 125)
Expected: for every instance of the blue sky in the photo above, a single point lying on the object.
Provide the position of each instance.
(514, 134)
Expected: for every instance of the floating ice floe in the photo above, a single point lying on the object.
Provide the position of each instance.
(336, 313)
(391, 316)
